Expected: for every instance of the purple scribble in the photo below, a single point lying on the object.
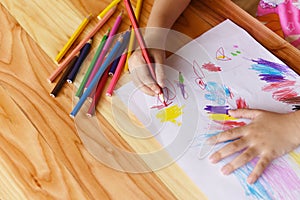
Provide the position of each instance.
(217, 109)
(282, 178)
(277, 66)
(272, 78)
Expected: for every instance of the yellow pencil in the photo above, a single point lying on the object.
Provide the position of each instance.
(112, 4)
(75, 35)
(137, 13)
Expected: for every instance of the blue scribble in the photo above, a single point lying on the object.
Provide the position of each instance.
(217, 93)
(256, 190)
(271, 72)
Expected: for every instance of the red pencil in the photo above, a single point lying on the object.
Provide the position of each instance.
(98, 93)
(142, 44)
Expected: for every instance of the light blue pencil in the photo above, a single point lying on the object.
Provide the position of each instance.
(93, 84)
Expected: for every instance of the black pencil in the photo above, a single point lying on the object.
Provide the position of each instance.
(63, 78)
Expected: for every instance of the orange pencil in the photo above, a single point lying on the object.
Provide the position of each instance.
(63, 65)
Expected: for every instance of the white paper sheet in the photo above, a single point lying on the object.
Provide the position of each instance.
(223, 68)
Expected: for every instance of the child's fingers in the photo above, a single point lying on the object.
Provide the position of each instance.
(258, 169)
(244, 113)
(230, 134)
(227, 150)
(239, 161)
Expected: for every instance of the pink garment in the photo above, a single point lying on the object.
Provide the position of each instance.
(289, 15)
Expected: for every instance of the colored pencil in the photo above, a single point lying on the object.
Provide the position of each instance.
(114, 66)
(105, 48)
(137, 13)
(72, 39)
(92, 64)
(112, 4)
(83, 54)
(115, 63)
(142, 44)
(117, 74)
(99, 90)
(63, 78)
(98, 75)
(63, 65)
(119, 51)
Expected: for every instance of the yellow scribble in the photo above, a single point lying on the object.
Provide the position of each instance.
(296, 157)
(221, 117)
(170, 114)
(221, 57)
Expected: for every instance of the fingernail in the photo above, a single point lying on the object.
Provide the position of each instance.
(251, 179)
(213, 158)
(226, 170)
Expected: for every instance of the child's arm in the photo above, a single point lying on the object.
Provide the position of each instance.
(267, 137)
(163, 15)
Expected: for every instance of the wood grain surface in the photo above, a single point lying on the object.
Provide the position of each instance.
(42, 154)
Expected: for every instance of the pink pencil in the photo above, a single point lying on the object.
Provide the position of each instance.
(105, 49)
(117, 74)
(64, 64)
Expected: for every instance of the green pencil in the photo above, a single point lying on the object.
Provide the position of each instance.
(90, 68)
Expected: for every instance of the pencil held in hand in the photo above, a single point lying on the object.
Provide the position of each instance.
(142, 44)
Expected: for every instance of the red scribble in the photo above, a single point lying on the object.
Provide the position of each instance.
(169, 95)
(275, 86)
(211, 67)
(286, 93)
(241, 103)
(200, 75)
(226, 125)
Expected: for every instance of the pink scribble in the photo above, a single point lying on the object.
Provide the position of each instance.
(241, 103)
(211, 67)
(275, 86)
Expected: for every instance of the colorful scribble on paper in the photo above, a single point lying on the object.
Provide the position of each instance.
(276, 77)
(169, 95)
(200, 77)
(211, 67)
(220, 55)
(217, 92)
(170, 114)
(180, 83)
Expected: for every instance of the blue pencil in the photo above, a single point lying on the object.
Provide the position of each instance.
(98, 75)
(83, 54)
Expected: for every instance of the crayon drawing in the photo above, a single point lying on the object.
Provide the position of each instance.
(240, 74)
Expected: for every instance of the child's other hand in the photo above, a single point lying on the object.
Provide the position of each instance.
(267, 137)
(141, 75)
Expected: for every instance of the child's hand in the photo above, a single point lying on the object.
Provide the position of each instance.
(141, 75)
(267, 137)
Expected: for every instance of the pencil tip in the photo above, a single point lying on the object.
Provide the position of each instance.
(72, 116)
(108, 94)
(52, 95)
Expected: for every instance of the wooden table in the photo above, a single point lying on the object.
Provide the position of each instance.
(41, 154)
